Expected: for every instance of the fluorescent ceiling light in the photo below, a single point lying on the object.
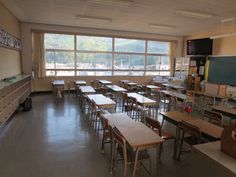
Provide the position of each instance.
(228, 20)
(93, 19)
(192, 14)
(119, 3)
(162, 27)
(223, 35)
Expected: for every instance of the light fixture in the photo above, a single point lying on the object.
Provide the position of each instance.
(93, 19)
(223, 35)
(193, 14)
(227, 23)
(161, 27)
(116, 3)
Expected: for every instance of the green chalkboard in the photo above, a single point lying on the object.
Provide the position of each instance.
(222, 70)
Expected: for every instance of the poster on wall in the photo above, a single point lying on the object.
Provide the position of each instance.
(8, 40)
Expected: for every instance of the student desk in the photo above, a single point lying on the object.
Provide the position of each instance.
(105, 82)
(58, 86)
(229, 112)
(87, 89)
(101, 101)
(137, 135)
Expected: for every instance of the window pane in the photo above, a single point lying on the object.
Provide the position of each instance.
(50, 73)
(94, 61)
(121, 73)
(59, 41)
(165, 63)
(91, 43)
(85, 73)
(136, 73)
(129, 45)
(158, 63)
(103, 73)
(158, 47)
(165, 73)
(64, 60)
(122, 61)
(153, 62)
(49, 60)
(65, 73)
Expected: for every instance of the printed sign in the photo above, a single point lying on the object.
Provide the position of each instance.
(9, 41)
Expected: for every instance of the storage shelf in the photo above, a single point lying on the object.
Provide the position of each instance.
(12, 93)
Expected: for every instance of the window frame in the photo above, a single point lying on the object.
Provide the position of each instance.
(112, 52)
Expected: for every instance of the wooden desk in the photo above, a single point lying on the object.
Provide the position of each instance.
(175, 117)
(58, 83)
(80, 83)
(159, 82)
(174, 86)
(105, 82)
(179, 96)
(124, 81)
(87, 89)
(229, 112)
(142, 99)
(116, 88)
(153, 87)
(209, 130)
(58, 86)
(137, 135)
(101, 101)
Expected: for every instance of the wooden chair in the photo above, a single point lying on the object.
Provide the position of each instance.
(125, 102)
(106, 134)
(137, 111)
(208, 101)
(213, 117)
(120, 147)
(155, 125)
(163, 100)
(193, 138)
(95, 116)
(71, 87)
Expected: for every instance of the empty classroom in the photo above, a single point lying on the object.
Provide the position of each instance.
(117, 88)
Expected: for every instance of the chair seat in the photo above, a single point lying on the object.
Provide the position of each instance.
(191, 141)
(165, 135)
(131, 154)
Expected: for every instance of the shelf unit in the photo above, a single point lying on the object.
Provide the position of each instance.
(12, 94)
(196, 72)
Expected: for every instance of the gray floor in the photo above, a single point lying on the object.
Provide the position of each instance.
(55, 140)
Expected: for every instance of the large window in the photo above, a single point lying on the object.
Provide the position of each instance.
(70, 55)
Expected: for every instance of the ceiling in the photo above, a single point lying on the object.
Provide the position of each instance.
(134, 15)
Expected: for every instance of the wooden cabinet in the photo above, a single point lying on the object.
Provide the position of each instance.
(12, 93)
(194, 83)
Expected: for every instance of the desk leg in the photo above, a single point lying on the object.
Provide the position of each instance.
(136, 161)
(176, 142)
(157, 159)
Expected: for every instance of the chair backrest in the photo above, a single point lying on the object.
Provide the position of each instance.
(213, 117)
(153, 124)
(105, 123)
(119, 140)
(133, 102)
(71, 84)
(191, 130)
